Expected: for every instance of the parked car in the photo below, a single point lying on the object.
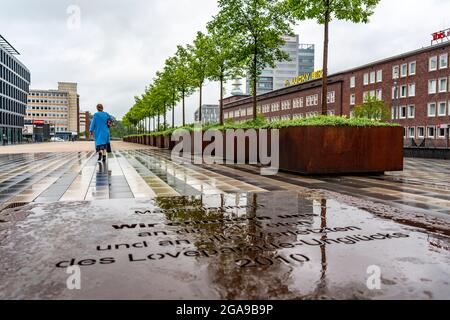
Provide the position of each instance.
(56, 139)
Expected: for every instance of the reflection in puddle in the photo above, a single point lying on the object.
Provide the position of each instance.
(234, 246)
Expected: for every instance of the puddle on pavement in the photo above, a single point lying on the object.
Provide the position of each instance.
(245, 246)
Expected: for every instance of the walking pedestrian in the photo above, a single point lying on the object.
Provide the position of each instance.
(100, 129)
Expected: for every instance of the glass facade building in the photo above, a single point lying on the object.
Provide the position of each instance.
(14, 89)
(301, 61)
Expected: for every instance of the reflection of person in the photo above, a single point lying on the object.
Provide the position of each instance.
(100, 129)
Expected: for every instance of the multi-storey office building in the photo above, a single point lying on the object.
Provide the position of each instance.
(415, 85)
(210, 114)
(301, 61)
(14, 88)
(85, 123)
(58, 108)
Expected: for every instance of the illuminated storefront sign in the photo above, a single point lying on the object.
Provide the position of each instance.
(305, 77)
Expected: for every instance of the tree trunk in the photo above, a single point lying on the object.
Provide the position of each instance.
(221, 101)
(183, 93)
(154, 127)
(165, 116)
(173, 110)
(255, 78)
(159, 124)
(325, 62)
(200, 105)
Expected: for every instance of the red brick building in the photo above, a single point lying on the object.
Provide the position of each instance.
(416, 85)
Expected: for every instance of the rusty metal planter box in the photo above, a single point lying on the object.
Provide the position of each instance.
(340, 150)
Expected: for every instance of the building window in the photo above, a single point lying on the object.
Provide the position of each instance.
(402, 114)
(412, 68)
(420, 132)
(431, 86)
(403, 91)
(331, 97)
(380, 76)
(412, 132)
(432, 109)
(379, 94)
(286, 105)
(250, 111)
(366, 95)
(395, 72)
(442, 110)
(411, 112)
(352, 82)
(331, 112)
(366, 79)
(286, 117)
(352, 100)
(441, 133)
(431, 132)
(432, 65)
(372, 77)
(411, 90)
(443, 85)
(443, 61)
(404, 70)
(394, 93)
(393, 113)
(275, 107)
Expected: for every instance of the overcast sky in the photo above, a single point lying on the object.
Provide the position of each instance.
(119, 45)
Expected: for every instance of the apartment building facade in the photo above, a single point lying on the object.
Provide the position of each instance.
(415, 85)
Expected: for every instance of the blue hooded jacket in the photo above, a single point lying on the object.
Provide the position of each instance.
(99, 126)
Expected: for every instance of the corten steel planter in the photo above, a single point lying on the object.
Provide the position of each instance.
(168, 143)
(152, 141)
(204, 143)
(341, 150)
(159, 141)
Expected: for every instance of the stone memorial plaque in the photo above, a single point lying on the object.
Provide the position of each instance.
(249, 246)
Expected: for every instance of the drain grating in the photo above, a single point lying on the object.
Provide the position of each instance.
(13, 205)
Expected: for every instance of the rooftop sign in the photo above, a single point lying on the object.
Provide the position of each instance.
(440, 36)
(305, 77)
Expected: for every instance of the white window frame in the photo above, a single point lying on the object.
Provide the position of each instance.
(366, 79)
(402, 112)
(379, 94)
(443, 63)
(441, 89)
(413, 108)
(439, 109)
(395, 72)
(353, 82)
(432, 89)
(418, 132)
(404, 70)
(403, 91)
(352, 99)
(411, 93)
(428, 132)
(429, 114)
(372, 77)
(430, 63)
(413, 136)
(331, 97)
(412, 63)
(380, 75)
(438, 131)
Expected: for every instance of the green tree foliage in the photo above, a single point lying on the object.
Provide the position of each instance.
(223, 64)
(324, 11)
(200, 55)
(258, 27)
(183, 79)
(372, 109)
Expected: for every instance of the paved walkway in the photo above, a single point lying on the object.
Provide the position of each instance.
(134, 171)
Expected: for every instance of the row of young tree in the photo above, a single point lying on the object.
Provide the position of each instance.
(244, 38)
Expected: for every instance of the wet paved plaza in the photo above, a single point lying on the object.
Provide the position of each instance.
(143, 226)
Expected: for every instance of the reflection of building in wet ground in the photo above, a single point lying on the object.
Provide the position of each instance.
(221, 232)
(147, 173)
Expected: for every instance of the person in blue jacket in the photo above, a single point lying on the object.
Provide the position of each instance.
(100, 129)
